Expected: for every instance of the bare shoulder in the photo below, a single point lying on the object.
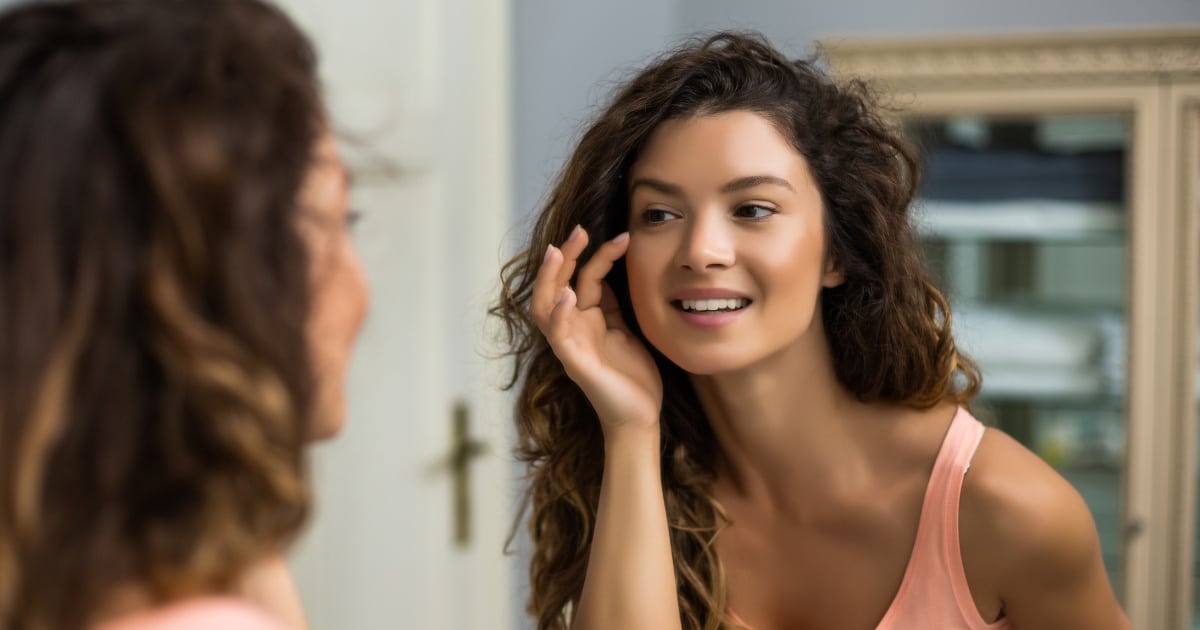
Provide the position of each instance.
(1019, 504)
(1029, 540)
(270, 585)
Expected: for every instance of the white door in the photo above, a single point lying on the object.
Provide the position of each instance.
(422, 84)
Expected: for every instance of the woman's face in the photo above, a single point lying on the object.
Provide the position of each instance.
(727, 250)
(339, 288)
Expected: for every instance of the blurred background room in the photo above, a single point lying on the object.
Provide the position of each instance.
(1059, 209)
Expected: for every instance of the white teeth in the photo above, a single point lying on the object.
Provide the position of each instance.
(723, 304)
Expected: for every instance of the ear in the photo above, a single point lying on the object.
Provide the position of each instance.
(833, 275)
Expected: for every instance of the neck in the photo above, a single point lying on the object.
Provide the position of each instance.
(121, 601)
(785, 427)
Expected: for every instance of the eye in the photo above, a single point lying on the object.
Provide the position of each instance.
(657, 216)
(753, 211)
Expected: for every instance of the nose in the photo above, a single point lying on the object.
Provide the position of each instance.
(707, 243)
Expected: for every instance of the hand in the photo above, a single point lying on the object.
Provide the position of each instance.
(587, 333)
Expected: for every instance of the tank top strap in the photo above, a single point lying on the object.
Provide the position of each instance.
(939, 510)
(962, 440)
(953, 460)
(935, 582)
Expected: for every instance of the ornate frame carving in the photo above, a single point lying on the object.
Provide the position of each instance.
(1019, 60)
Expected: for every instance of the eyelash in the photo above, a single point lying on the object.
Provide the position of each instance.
(652, 211)
(737, 212)
(769, 211)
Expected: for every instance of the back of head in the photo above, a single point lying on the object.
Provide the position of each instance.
(154, 378)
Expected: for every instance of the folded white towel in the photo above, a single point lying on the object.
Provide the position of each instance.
(1037, 381)
(1018, 219)
(1004, 337)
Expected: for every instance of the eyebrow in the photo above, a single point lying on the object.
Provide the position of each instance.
(743, 183)
(656, 184)
(740, 183)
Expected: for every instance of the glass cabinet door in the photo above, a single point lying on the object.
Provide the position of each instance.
(1023, 223)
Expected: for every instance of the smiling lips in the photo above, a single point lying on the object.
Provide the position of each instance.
(710, 305)
(709, 308)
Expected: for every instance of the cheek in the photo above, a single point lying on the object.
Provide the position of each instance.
(340, 298)
(790, 271)
(635, 267)
(642, 269)
(358, 291)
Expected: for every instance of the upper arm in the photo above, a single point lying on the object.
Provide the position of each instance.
(1030, 539)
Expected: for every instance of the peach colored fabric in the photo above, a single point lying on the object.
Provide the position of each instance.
(223, 613)
(933, 594)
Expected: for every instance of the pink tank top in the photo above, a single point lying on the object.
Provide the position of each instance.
(202, 613)
(933, 593)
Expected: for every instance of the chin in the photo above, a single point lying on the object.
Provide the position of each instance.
(325, 428)
(700, 362)
(327, 423)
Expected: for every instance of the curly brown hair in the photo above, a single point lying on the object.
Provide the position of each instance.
(155, 382)
(888, 326)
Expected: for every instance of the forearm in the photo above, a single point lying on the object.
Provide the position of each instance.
(630, 580)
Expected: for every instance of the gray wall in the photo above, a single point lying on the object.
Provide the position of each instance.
(569, 55)
(792, 25)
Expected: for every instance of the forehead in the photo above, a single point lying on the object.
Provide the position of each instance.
(736, 141)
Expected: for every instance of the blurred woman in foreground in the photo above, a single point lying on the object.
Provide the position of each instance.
(178, 300)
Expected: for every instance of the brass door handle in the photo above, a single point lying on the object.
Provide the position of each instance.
(463, 449)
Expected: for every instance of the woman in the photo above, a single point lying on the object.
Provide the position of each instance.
(740, 399)
(178, 299)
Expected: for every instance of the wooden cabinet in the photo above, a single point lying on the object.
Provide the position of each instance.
(1060, 211)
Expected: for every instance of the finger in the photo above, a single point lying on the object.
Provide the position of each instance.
(564, 344)
(545, 290)
(560, 320)
(611, 309)
(571, 249)
(596, 269)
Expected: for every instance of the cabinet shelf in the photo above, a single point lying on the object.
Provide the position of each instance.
(1054, 396)
(1038, 220)
(1030, 302)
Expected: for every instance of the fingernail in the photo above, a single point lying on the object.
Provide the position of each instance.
(545, 258)
(621, 238)
(575, 232)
